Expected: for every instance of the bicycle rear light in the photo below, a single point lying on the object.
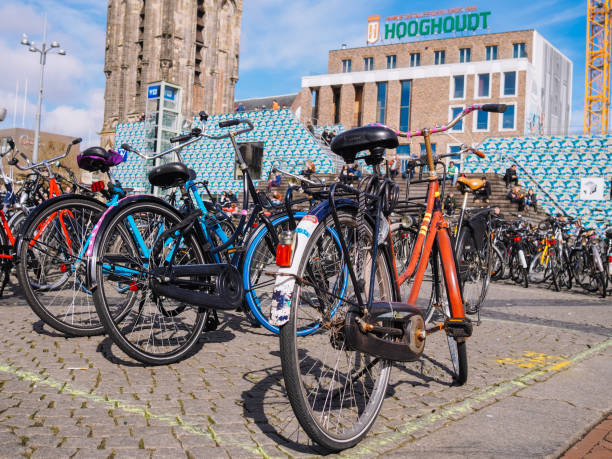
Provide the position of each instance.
(517, 239)
(97, 186)
(284, 249)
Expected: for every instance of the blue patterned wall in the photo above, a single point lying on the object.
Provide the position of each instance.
(557, 164)
(286, 141)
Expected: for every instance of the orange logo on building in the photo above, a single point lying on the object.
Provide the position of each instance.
(373, 29)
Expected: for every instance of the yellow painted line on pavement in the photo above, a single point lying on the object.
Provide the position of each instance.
(465, 406)
(172, 421)
(532, 359)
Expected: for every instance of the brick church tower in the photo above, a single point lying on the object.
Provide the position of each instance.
(191, 43)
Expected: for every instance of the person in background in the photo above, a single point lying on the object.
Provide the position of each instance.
(511, 176)
(331, 136)
(310, 127)
(450, 203)
(354, 171)
(516, 196)
(325, 136)
(394, 166)
(309, 169)
(240, 107)
(232, 197)
(483, 193)
(224, 199)
(453, 172)
(275, 105)
(276, 180)
(277, 199)
(344, 174)
(531, 199)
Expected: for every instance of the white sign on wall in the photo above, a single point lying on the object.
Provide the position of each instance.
(592, 188)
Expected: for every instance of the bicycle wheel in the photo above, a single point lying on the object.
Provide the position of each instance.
(335, 392)
(259, 260)
(474, 269)
(497, 263)
(540, 268)
(457, 347)
(155, 330)
(16, 221)
(52, 270)
(518, 272)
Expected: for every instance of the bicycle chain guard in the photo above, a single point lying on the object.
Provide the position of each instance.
(392, 331)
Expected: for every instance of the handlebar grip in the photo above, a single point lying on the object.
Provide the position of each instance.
(228, 123)
(24, 156)
(126, 147)
(478, 153)
(76, 141)
(12, 161)
(494, 108)
(180, 138)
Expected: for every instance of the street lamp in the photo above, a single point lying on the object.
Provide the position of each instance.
(43, 50)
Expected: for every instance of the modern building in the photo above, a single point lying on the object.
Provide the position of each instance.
(425, 83)
(193, 44)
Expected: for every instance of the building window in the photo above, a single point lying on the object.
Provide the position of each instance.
(454, 111)
(491, 53)
(439, 57)
(457, 159)
(315, 106)
(336, 104)
(346, 66)
(482, 121)
(415, 59)
(518, 50)
(403, 151)
(509, 118)
(405, 106)
(458, 86)
(465, 55)
(381, 102)
(484, 87)
(424, 151)
(391, 61)
(368, 63)
(509, 83)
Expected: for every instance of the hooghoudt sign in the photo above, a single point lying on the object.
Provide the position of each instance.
(427, 23)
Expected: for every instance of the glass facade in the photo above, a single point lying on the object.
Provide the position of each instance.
(454, 112)
(381, 102)
(482, 121)
(405, 106)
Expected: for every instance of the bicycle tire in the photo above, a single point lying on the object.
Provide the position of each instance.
(518, 273)
(299, 353)
(65, 304)
(474, 269)
(156, 314)
(497, 266)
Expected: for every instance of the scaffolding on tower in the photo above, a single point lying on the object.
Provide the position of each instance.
(597, 80)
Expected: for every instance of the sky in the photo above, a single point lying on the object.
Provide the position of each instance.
(281, 42)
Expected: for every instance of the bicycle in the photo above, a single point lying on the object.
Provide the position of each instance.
(352, 290)
(179, 266)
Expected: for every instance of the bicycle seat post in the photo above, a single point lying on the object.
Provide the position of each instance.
(430, 161)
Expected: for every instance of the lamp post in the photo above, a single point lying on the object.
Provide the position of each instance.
(43, 50)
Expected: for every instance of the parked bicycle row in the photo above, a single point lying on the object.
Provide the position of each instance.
(358, 278)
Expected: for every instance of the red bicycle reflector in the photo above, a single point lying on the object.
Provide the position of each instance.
(267, 214)
(133, 286)
(552, 241)
(610, 259)
(63, 268)
(97, 186)
(517, 239)
(284, 249)
(255, 225)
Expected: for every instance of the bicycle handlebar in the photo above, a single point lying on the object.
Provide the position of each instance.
(195, 135)
(46, 162)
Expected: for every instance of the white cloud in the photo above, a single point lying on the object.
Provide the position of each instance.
(78, 122)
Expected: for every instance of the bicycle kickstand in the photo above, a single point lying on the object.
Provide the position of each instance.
(6, 269)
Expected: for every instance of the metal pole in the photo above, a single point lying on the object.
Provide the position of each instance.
(43, 55)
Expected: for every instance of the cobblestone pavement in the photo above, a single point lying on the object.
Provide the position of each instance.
(82, 397)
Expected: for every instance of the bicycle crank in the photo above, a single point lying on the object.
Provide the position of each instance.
(222, 281)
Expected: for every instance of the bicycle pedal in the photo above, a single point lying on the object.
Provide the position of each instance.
(458, 327)
(237, 249)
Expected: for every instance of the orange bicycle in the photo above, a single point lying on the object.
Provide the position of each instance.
(339, 271)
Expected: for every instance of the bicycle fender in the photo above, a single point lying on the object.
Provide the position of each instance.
(285, 277)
